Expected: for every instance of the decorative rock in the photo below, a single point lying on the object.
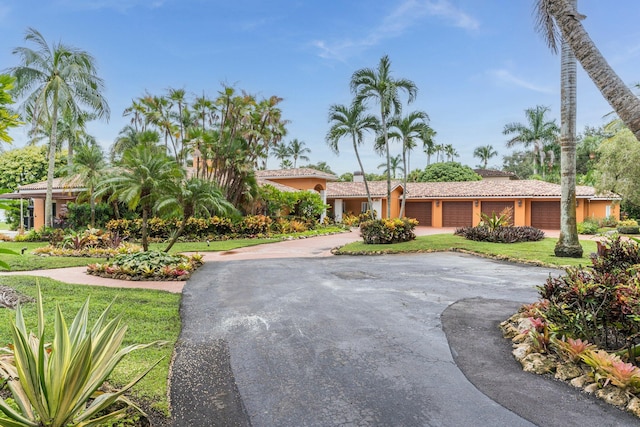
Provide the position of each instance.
(509, 331)
(614, 396)
(581, 381)
(525, 324)
(591, 388)
(520, 338)
(537, 363)
(634, 406)
(568, 371)
(521, 351)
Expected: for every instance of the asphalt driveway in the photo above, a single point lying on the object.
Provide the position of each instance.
(360, 341)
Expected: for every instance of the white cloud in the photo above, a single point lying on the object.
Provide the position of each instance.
(403, 17)
(505, 76)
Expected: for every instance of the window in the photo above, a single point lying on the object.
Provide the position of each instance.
(364, 207)
(607, 210)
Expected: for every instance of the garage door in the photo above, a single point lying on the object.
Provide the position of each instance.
(420, 211)
(545, 215)
(457, 214)
(490, 208)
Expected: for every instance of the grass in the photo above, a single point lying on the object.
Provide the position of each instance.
(150, 316)
(540, 252)
(4, 226)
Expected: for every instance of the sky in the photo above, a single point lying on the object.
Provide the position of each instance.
(477, 64)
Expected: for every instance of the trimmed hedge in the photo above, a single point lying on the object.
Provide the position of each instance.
(501, 234)
(385, 231)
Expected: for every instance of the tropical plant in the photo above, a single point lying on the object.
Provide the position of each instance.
(450, 152)
(298, 150)
(129, 137)
(380, 86)
(6, 252)
(386, 231)
(618, 166)
(88, 167)
(395, 164)
(56, 80)
(408, 130)
(8, 119)
(189, 197)
(538, 132)
(447, 172)
(58, 384)
(563, 15)
(146, 172)
(484, 153)
(351, 121)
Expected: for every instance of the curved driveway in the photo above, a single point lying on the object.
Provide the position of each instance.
(360, 341)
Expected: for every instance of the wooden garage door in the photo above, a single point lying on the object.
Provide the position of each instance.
(420, 211)
(490, 208)
(457, 214)
(545, 215)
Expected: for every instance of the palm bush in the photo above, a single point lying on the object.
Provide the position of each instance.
(58, 384)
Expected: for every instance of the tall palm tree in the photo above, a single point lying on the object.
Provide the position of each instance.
(129, 137)
(298, 151)
(562, 16)
(146, 172)
(408, 130)
(282, 153)
(537, 132)
(56, 79)
(8, 118)
(428, 143)
(354, 122)
(568, 244)
(380, 86)
(193, 196)
(450, 152)
(88, 167)
(395, 165)
(484, 153)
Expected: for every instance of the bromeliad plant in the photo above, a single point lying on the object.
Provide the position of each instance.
(58, 384)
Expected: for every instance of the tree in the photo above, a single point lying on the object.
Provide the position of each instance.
(537, 132)
(448, 172)
(8, 118)
(298, 151)
(190, 197)
(128, 138)
(88, 167)
(618, 166)
(450, 152)
(321, 166)
(27, 165)
(568, 244)
(354, 122)
(145, 174)
(56, 79)
(484, 153)
(408, 130)
(562, 16)
(379, 85)
(395, 165)
(519, 163)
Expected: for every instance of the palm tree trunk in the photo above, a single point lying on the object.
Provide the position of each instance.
(404, 180)
(144, 229)
(53, 141)
(177, 234)
(364, 178)
(386, 147)
(614, 90)
(568, 244)
(92, 201)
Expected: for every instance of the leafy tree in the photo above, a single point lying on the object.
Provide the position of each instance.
(380, 86)
(448, 172)
(618, 166)
(484, 153)
(190, 197)
(56, 80)
(563, 16)
(8, 118)
(587, 149)
(520, 163)
(144, 175)
(27, 165)
(538, 132)
(346, 177)
(89, 168)
(297, 151)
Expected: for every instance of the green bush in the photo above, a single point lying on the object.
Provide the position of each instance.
(150, 265)
(588, 227)
(501, 234)
(79, 215)
(385, 231)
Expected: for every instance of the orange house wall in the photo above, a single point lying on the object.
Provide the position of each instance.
(301, 183)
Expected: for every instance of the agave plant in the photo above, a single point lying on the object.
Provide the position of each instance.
(58, 384)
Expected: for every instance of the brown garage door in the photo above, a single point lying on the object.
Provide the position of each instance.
(457, 214)
(545, 215)
(420, 211)
(490, 208)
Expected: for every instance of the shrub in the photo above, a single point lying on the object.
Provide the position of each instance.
(78, 215)
(493, 221)
(385, 231)
(628, 226)
(350, 220)
(150, 265)
(58, 384)
(615, 255)
(588, 226)
(501, 234)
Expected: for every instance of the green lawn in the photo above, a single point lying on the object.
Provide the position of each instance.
(150, 316)
(4, 226)
(532, 252)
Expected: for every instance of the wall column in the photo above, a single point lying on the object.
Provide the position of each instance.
(337, 210)
(377, 206)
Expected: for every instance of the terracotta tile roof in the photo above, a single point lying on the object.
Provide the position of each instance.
(69, 184)
(294, 173)
(471, 189)
(277, 185)
(357, 189)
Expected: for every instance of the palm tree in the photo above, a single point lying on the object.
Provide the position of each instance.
(450, 152)
(282, 152)
(351, 121)
(56, 79)
(88, 167)
(538, 132)
(562, 16)
(484, 153)
(379, 85)
(129, 137)
(8, 118)
(395, 165)
(193, 196)
(568, 244)
(145, 174)
(428, 143)
(297, 151)
(408, 130)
